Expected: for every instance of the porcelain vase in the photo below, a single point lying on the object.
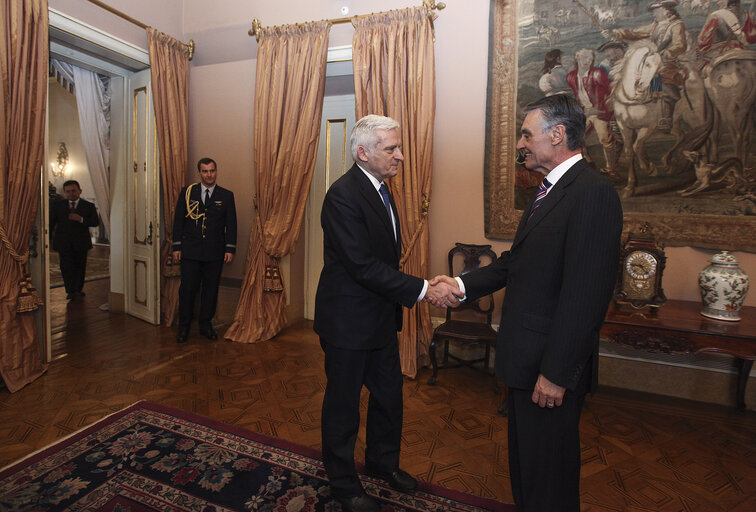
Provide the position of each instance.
(723, 288)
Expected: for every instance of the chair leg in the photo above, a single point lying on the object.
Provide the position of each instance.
(432, 355)
(503, 408)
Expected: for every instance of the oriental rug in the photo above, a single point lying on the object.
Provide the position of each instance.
(149, 457)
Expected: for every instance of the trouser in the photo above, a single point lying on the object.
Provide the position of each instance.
(544, 451)
(73, 268)
(379, 370)
(205, 277)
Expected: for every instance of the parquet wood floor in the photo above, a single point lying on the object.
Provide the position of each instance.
(641, 452)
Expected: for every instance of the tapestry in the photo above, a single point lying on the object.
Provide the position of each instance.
(149, 457)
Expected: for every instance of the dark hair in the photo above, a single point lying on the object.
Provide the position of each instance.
(564, 110)
(551, 59)
(206, 161)
(72, 182)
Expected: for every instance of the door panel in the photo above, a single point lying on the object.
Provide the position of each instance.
(333, 160)
(142, 283)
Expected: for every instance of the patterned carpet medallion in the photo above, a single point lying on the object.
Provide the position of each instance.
(149, 457)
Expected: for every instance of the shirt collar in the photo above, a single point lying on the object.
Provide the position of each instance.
(211, 189)
(373, 180)
(558, 171)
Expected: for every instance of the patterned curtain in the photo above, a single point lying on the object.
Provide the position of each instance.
(23, 86)
(394, 76)
(169, 69)
(289, 87)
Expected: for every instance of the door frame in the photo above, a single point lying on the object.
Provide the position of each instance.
(69, 38)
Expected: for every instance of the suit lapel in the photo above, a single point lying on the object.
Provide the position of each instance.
(373, 199)
(555, 195)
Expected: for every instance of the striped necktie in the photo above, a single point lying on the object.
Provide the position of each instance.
(540, 195)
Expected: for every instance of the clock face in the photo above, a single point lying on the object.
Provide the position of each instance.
(640, 265)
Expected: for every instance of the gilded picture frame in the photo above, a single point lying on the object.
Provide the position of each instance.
(722, 216)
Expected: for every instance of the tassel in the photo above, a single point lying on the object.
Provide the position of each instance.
(28, 298)
(273, 282)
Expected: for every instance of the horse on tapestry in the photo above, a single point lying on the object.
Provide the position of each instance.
(635, 109)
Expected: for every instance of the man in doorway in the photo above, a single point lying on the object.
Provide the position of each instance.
(358, 311)
(204, 238)
(70, 220)
(559, 276)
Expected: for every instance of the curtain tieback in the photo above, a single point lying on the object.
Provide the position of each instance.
(272, 281)
(28, 298)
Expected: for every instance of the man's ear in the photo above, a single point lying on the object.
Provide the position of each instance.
(557, 134)
(362, 153)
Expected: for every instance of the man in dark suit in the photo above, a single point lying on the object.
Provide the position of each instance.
(358, 310)
(70, 220)
(204, 238)
(559, 276)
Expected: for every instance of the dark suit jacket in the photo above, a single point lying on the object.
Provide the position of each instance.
(219, 234)
(559, 276)
(361, 290)
(69, 234)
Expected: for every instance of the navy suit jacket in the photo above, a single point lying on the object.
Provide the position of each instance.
(559, 277)
(70, 234)
(219, 234)
(361, 290)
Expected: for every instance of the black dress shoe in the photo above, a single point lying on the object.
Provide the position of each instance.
(80, 293)
(182, 336)
(70, 296)
(209, 333)
(398, 479)
(361, 503)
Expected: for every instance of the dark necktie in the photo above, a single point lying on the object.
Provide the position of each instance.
(387, 203)
(207, 197)
(71, 205)
(540, 195)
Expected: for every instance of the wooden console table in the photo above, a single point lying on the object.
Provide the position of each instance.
(679, 328)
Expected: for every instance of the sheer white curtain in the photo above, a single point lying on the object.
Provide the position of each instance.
(92, 93)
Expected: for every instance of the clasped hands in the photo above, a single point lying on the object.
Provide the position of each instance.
(443, 292)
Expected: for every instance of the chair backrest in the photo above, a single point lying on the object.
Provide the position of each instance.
(464, 258)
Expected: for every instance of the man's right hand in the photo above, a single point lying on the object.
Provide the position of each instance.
(443, 292)
(177, 256)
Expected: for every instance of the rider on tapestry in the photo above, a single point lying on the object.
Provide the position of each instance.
(668, 33)
(727, 28)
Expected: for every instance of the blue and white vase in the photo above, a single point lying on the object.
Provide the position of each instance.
(723, 288)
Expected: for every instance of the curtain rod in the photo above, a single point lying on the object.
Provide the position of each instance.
(430, 6)
(98, 3)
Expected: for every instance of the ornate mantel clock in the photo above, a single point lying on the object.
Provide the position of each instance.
(639, 281)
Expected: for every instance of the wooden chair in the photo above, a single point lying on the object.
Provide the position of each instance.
(475, 329)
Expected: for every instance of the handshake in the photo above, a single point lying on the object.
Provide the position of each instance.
(443, 292)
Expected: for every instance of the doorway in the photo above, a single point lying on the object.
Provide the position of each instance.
(133, 238)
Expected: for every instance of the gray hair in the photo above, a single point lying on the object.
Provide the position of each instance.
(363, 133)
(564, 110)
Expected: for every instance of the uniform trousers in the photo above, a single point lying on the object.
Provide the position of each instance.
(204, 276)
(544, 451)
(379, 370)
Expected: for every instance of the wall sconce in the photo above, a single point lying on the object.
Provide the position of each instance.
(59, 167)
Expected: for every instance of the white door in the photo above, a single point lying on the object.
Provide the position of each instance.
(143, 244)
(334, 159)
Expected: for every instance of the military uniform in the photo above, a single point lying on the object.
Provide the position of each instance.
(203, 233)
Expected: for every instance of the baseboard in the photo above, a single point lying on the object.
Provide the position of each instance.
(231, 282)
(117, 302)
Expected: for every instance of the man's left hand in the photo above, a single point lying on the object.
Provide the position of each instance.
(228, 257)
(75, 217)
(547, 394)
